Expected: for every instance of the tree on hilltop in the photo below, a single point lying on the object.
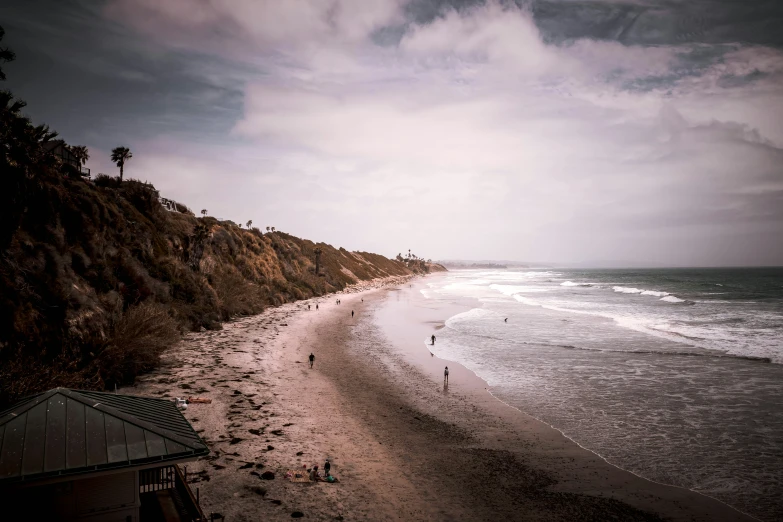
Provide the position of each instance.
(204, 212)
(120, 155)
(81, 153)
(267, 229)
(249, 222)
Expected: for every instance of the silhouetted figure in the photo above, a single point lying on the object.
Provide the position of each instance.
(308, 307)
(351, 314)
(316, 306)
(446, 375)
(433, 339)
(505, 320)
(327, 467)
(312, 360)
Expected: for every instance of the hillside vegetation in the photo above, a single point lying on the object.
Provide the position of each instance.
(98, 278)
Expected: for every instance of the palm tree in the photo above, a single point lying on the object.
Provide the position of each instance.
(250, 222)
(120, 155)
(81, 153)
(318, 253)
(204, 212)
(6, 54)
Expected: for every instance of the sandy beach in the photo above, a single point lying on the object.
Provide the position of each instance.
(403, 445)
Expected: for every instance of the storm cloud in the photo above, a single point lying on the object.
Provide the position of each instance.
(643, 132)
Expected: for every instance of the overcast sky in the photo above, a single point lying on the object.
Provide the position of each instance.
(635, 131)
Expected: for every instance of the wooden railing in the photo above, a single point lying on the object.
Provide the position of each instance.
(171, 477)
(157, 479)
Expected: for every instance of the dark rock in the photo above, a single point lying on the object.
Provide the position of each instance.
(297, 514)
(270, 448)
(246, 466)
(275, 501)
(255, 432)
(258, 490)
(299, 453)
(235, 440)
(268, 475)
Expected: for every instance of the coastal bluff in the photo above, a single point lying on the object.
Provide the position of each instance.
(97, 278)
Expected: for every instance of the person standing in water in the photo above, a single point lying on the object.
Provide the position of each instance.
(312, 360)
(433, 339)
(446, 375)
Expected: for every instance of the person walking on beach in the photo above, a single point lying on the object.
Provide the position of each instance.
(327, 467)
(433, 339)
(312, 359)
(446, 375)
(351, 314)
(316, 306)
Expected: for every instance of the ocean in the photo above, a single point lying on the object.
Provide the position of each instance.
(673, 374)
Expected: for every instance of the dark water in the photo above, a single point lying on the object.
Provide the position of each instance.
(676, 375)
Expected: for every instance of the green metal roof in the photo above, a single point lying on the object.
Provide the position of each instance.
(69, 432)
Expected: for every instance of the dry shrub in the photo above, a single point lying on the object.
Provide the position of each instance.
(22, 375)
(136, 342)
(236, 296)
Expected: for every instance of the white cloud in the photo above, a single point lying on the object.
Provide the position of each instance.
(474, 123)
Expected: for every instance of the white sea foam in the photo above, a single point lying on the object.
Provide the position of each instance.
(672, 299)
(571, 283)
(640, 291)
(626, 290)
(517, 289)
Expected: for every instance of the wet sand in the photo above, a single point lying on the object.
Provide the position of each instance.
(403, 446)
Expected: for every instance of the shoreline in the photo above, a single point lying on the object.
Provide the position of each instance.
(401, 445)
(506, 410)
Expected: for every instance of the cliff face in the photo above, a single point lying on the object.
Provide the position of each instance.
(99, 278)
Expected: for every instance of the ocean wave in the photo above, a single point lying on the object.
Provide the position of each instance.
(640, 291)
(665, 352)
(626, 290)
(672, 299)
(516, 289)
(571, 283)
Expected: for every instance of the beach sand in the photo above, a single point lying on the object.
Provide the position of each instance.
(403, 446)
